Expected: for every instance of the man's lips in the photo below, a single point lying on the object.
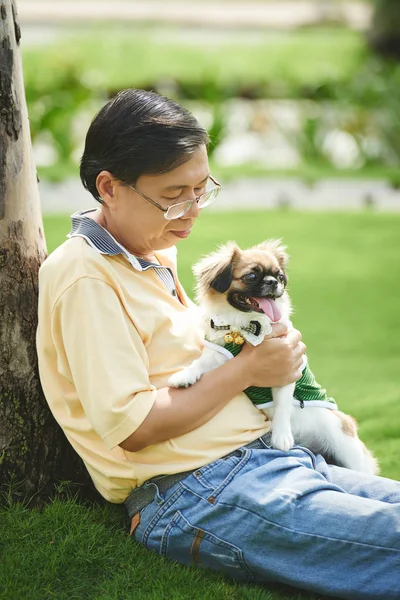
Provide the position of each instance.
(181, 234)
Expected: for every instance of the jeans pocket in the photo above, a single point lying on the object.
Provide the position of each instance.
(199, 548)
(155, 513)
(215, 477)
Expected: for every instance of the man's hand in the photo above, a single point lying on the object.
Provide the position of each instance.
(277, 361)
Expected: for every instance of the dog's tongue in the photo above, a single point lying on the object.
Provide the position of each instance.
(270, 308)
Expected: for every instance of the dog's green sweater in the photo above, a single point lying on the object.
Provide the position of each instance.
(307, 391)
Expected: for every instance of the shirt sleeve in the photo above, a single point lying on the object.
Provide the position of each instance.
(105, 358)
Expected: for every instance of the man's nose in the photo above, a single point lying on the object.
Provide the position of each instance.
(194, 211)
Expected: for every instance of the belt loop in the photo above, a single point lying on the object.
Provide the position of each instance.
(266, 440)
(158, 498)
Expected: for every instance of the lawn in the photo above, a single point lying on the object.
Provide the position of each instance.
(345, 284)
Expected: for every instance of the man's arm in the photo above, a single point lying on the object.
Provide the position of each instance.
(106, 360)
(276, 362)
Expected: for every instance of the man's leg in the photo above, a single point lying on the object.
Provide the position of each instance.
(268, 515)
(361, 484)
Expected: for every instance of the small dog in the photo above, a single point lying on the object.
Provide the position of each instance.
(241, 293)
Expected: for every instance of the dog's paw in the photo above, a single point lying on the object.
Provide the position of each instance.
(282, 440)
(184, 378)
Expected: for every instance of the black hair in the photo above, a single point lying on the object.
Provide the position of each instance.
(138, 133)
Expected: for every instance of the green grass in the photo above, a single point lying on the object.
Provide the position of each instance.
(345, 284)
(74, 552)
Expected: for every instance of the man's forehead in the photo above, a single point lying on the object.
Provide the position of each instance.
(190, 173)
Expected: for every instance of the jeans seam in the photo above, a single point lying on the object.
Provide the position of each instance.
(307, 451)
(153, 522)
(210, 536)
(201, 477)
(243, 461)
(296, 531)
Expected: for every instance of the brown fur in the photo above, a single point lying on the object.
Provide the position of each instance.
(276, 248)
(349, 425)
(230, 258)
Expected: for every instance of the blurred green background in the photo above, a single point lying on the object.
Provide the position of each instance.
(315, 101)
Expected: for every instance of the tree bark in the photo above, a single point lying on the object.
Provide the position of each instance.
(34, 453)
(384, 37)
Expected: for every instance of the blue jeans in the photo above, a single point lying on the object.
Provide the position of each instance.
(263, 515)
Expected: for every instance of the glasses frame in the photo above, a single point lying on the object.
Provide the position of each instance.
(188, 202)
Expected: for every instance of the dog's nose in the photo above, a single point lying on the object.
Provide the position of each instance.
(271, 281)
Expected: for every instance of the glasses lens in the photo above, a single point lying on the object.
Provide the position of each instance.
(208, 197)
(178, 210)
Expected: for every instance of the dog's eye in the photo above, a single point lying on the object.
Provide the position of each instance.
(249, 277)
(281, 277)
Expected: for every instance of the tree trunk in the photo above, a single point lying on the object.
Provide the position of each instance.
(34, 453)
(384, 37)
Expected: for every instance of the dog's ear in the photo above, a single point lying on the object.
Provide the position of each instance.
(216, 270)
(278, 249)
(222, 279)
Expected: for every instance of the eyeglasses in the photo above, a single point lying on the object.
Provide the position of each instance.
(175, 211)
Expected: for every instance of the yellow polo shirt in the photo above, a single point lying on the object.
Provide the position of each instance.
(109, 336)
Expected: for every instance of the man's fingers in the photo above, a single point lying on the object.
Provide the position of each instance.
(298, 365)
(299, 351)
(294, 337)
(278, 330)
(301, 348)
(298, 374)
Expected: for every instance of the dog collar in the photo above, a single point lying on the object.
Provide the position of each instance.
(254, 332)
(219, 327)
(254, 327)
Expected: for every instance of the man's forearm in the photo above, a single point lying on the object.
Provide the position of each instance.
(178, 411)
(275, 362)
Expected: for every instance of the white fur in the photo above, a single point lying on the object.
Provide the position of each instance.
(208, 360)
(280, 415)
(320, 429)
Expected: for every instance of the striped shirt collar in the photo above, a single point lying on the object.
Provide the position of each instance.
(101, 240)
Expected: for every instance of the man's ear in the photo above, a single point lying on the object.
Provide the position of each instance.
(216, 270)
(278, 249)
(105, 183)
